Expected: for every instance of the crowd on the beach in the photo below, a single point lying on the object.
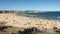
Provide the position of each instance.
(26, 22)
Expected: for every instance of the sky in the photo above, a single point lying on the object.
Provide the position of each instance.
(44, 5)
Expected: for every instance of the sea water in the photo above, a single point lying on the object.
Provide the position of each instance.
(47, 15)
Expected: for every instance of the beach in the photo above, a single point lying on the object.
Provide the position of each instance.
(14, 20)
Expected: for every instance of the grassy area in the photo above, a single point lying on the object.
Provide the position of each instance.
(12, 30)
(9, 30)
(51, 32)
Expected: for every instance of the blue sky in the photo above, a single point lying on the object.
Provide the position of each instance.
(45, 5)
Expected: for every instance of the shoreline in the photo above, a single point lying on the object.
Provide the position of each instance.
(41, 18)
(38, 17)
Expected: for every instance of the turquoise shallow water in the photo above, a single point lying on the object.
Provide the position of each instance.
(47, 15)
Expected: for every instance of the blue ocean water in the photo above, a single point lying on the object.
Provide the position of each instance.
(47, 15)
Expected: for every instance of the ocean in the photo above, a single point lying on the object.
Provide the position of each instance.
(47, 15)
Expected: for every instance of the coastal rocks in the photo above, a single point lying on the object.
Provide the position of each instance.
(56, 29)
(3, 28)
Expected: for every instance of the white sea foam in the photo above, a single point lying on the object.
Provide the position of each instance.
(58, 17)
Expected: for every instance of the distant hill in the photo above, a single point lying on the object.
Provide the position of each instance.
(23, 11)
(30, 11)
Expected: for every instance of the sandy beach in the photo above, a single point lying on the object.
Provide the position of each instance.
(26, 22)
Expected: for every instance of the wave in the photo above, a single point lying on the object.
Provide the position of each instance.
(58, 17)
